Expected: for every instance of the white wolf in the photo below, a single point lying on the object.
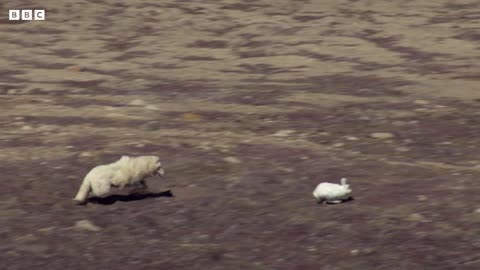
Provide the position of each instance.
(127, 171)
(332, 193)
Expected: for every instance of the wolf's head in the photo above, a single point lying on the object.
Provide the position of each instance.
(158, 169)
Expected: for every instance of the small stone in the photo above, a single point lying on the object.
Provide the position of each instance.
(26, 238)
(140, 145)
(11, 92)
(191, 116)
(86, 154)
(368, 250)
(283, 133)
(109, 108)
(364, 118)
(422, 110)
(288, 170)
(338, 144)
(233, 160)
(421, 102)
(354, 251)
(422, 198)
(137, 102)
(402, 149)
(27, 127)
(75, 68)
(86, 225)
(477, 211)
(399, 123)
(47, 229)
(351, 138)
(151, 107)
(382, 135)
(153, 125)
(416, 217)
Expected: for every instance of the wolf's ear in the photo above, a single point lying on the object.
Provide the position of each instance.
(343, 181)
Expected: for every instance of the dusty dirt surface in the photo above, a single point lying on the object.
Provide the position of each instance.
(249, 104)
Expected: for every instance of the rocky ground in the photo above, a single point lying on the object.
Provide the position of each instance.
(249, 104)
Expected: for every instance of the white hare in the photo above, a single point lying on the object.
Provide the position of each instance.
(333, 193)
(127, 171)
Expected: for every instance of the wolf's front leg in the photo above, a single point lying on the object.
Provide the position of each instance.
(82, 194)
(140, 187)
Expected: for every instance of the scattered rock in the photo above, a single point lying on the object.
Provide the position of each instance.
(338, 144)
(26, 238)
(398, 123)
(364, 118)
(11, 92)
(137, 102)
(416, 217)
(288, 170)
(351, 138)
(151, 107)
(368, 250)
(47, 229)
(421, 102)
(422, 198)
(153, 125)
(86, 154)
(422, 110)
(233, 160)
(283, 133)
(87, 226)
(477, 211)
(354, 251)
(191, 116)
(382, 135)
(445, 143)
(109, 108)
(402, 149)
(27, 127)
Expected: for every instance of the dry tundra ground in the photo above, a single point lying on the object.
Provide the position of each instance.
(249, 104)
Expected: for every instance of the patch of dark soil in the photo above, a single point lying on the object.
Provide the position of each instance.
(215, 44)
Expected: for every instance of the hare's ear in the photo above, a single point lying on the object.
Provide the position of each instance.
(343, 181)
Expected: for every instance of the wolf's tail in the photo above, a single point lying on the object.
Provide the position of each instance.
(83, 191)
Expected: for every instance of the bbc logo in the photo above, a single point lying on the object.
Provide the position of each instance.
(26, 15)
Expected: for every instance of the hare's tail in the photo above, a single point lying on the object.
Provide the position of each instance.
(82, 194)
